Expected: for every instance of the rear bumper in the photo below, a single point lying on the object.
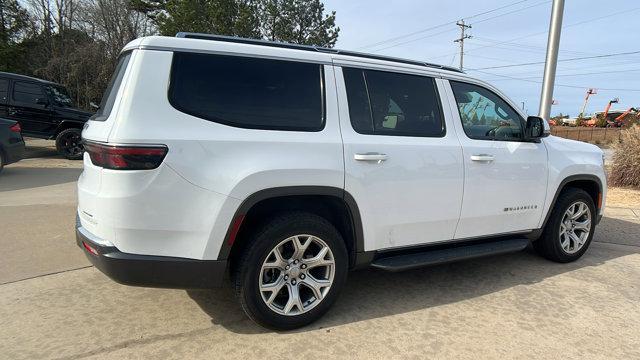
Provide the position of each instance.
(151, 271)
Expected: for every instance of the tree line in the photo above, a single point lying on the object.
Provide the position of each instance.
(77, 42)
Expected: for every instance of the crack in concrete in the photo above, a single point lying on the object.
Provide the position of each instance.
(43, 275)
(137, 342)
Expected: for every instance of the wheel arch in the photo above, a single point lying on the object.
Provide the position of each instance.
(67, 124)
(587, 182)
(333, 204)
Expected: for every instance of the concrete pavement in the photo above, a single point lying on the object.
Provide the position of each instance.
(511, 306)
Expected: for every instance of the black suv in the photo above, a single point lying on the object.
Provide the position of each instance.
(44, 110)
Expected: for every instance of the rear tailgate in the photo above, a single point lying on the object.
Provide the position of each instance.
(98, 129)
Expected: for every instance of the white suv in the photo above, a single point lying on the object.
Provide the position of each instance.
(285, 166)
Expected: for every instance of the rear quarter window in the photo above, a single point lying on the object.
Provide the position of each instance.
(248, 92)
(109, 96)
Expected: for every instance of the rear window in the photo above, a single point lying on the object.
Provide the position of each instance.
(248, 92)
(109, 96)
(388, 103)
(4, 89)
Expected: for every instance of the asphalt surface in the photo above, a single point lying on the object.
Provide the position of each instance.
(53, 305)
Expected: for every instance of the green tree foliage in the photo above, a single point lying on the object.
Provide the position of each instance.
(14, 23)
(77, 42)
(72, 42)
(294, 21)
(601, 121)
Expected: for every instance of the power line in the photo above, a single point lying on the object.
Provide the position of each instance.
(533, 48)
(562, 60)
(545, 32)
(403, 36)
(588, 73)
(399, 37)
(513, 11)
(561, 85)
(420, 38)
(604, 67)
(523, 48)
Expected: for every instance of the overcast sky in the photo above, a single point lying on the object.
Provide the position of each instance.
(515, 34)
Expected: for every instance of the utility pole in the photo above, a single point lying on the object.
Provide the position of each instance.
(463, 27)
(553, 44)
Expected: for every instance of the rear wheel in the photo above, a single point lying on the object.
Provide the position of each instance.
(570, 227)
(292, 271)
(1, 160)
(69, 144)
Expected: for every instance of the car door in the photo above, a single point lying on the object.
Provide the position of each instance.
(30, 106)
(505, 176)
(403, 166)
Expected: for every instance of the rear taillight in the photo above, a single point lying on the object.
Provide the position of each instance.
(15, 128)
(125, 157)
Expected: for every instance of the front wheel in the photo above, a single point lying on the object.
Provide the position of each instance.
(69, 144)
(292, 271)
(570, 227)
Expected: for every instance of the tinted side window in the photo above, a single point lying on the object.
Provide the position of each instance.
(386, 103)
(484, 115)
(109, 96)
(59, 95)
(27, 93)
(4, 89)
(248, 92)
(358, 99)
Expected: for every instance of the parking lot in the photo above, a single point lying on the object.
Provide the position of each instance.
(54, 305)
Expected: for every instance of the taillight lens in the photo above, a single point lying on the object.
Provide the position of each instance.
(125, 157)
(15, 127)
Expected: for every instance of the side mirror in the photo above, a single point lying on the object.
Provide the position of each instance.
(536, 128)
(42, 101)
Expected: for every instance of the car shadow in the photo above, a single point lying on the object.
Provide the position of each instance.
(20, 177)
(372, 293)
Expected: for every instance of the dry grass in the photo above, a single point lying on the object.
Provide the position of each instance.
(621, 197)
(625, 170)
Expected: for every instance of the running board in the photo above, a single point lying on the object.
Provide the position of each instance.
(447, 255)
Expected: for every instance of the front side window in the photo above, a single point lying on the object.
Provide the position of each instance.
(59, 95)
(248, 92)
(387, 103)
(486, 116)
(28, 93)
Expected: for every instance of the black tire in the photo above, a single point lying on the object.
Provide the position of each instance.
(262, 242)
(1, 161)
(549, 244)
(69, 144)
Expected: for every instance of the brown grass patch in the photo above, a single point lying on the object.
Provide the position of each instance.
(625, 170)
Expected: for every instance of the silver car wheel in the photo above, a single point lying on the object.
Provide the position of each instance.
(575, 227)
(296, 275)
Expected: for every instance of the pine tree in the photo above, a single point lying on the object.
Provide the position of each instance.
(294, 21)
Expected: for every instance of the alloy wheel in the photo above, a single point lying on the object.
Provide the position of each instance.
(72, 144)
(297, 275)
(575, 227)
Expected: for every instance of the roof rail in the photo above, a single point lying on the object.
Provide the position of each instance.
(234, 39)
